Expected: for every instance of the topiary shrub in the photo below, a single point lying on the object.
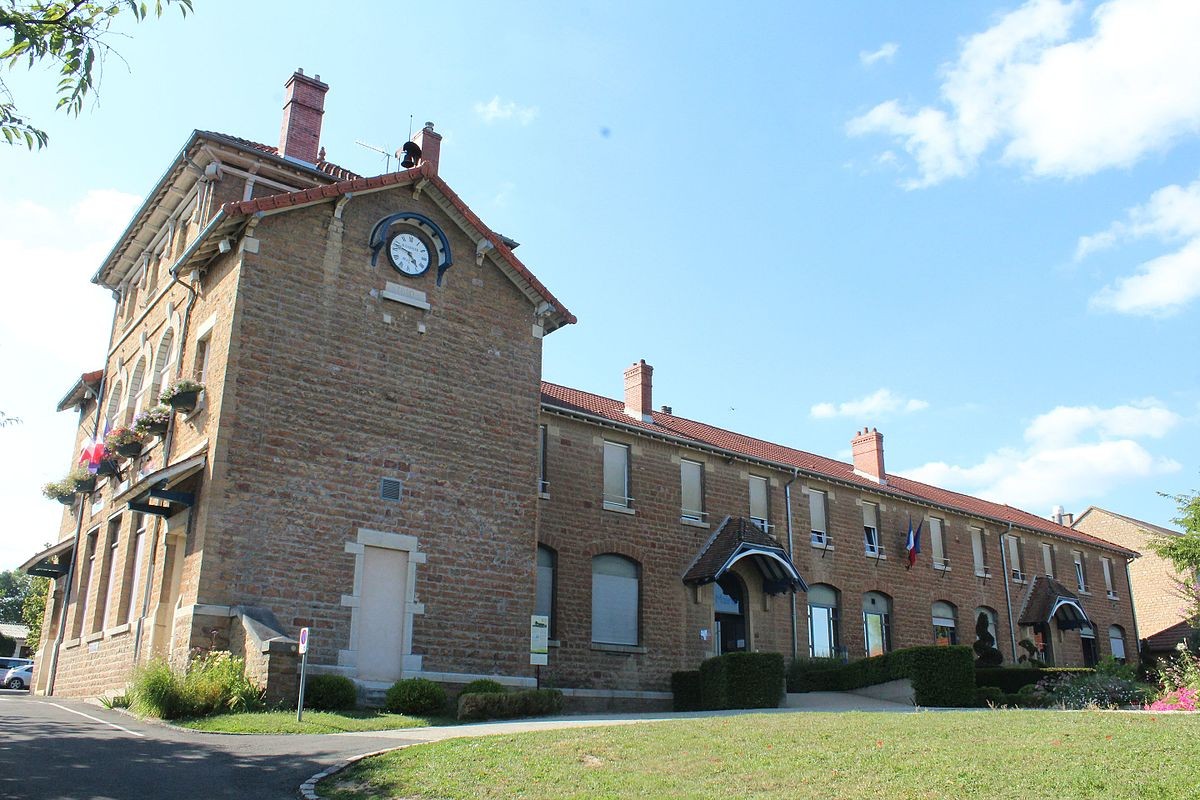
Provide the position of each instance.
(989, 696)
(330, 693)
(528, 703)
(484, 686)
(986, 653)
(742, 680)
(415, 696)
(685, 690)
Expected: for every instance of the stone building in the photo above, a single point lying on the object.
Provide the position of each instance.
(375, 457)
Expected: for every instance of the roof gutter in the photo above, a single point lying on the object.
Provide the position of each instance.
(808, 473)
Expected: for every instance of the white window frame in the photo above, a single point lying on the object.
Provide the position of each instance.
(691, 470)
(1080, 570)
(937, 542)
(613, 500)
(606, 632)
(137, 549)
(1106, 567)
(546, 585)
(818, 506)
(543, 483)
(763, 520)
(872, 546)
(979, 553)
(1123, 657)
(1015, 568)
(1048, 559)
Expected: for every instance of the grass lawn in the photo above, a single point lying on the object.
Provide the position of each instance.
(987, 754)
(314, 722)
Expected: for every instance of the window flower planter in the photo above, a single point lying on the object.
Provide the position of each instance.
(153, 421)
(126, 442)
(106, 467)
(85, 485)
(183, 395)
(63, 491)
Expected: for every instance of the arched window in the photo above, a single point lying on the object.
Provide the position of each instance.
(164, 364)
(616, 597)
(137, 393)
(547, 565)
(945, 623)
(112, 412)
(824, 640)
(1116, 641)
(877, 623)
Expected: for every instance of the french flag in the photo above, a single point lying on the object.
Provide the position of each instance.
(913, 545)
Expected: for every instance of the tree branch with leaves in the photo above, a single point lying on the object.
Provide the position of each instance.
(70, 35)
(1183, 552)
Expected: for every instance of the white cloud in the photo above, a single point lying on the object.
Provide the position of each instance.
(886, 52)
(495, 110)
(1071, 454)
(1054, 104)
(54, 326)
(1165, 284)
(876, 404)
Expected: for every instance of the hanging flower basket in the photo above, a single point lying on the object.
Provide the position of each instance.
(63, 491)
(107, 467)
(182, 395)
(153, 421)
(83, 481)
(127, 442)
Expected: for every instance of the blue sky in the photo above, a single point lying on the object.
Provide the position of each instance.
(974, 226)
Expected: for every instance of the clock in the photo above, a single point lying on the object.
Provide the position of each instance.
(409, 253)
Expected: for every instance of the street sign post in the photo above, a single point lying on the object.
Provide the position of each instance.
(303, 668)
(539, 643)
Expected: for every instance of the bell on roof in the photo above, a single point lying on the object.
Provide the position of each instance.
(412, 154)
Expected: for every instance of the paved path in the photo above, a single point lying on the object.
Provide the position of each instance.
(52, 749)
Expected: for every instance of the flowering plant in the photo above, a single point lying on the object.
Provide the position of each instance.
(63, 491)
(181, 386)
(123, 435)
(154, 418)
(1176, 700)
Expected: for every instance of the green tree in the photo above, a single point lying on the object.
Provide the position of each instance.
(34, 610)
(13, 588)
(71, 35)
(1184, 551)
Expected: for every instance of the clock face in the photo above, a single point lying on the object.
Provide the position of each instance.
(409, 253)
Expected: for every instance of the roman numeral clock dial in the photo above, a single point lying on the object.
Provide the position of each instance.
(410, 254)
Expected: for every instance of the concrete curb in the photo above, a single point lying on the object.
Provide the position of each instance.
(308, 789)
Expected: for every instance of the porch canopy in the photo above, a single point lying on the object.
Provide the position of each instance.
(735, 539)
(53, 562)
(1047, 600)
(159, 485)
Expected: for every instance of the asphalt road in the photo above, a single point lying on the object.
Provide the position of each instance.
(52, 749)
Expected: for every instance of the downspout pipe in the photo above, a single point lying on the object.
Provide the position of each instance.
(66, 596)
(1012, 631)
(1137, 634)
(787, 501)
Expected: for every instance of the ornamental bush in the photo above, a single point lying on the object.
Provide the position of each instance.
(484, 686)
(941, 676)
(1091, 691)
(1176, 700)
(685, 691)
(812, 674)
(990, 696)
(330, 693)
(527, 703)
(416, 696)
(742, 680)
(987, 655)
(1011, 679)
(214, 682)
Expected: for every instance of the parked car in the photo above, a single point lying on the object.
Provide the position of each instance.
(7, 663)
(19, 677)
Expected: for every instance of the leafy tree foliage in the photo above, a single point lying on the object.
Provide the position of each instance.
(1184, 551)
(70, 34)
(13, 588)
(34, 610)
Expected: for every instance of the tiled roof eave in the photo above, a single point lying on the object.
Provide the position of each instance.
(871, 486)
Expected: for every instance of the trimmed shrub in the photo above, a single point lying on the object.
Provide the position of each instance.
(1011, 679)
(990, 696)
(742, 680)
(685, 690)
(812, 674)
(492, 705)
(330, 693)
(941, 676)
(484, 686)
(416, 696)
(985, 644)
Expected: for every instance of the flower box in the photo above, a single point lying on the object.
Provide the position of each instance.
(153, 421)
(126, 442)
(183, 395)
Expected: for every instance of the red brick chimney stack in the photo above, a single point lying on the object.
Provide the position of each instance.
(638, 391)
(303, 107)
(867, 446)
(430, 144)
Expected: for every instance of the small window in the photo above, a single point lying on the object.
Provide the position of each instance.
(1116, 642)
(936, 541)
(877, 623)
(616, 597)
(200, 364)
(1048, 559)
(979, 553)
(547, 561)
(543, 481)
(86, 573)
(164, 366)
(691, 482)
(1014, 559)
(759, 507)
(945, 623)
(108, 578)
(616, 476)
(871, 530)
(133, 568)
(1080, 570)
(137, 391)
(816, 513)
(1106, 566)
(112, 413)
(823, 632)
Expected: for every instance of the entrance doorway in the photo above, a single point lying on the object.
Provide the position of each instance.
(729, 601)
(1091, 653)
(381, 614)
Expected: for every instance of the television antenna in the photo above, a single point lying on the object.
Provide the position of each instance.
(386, 154)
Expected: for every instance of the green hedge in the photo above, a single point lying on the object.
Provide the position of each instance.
(528, 703)
(330, 693)
(685, 690)
(742, 680)
(415, 697)
(1011, 679)
(941, 676)
(483, 686)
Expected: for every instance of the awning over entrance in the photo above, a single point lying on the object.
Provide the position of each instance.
(157, 486)
(53, 562)
(1047, 600)
(737, 538)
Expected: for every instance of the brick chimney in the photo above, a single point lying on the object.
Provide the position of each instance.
(638, 387)
(867, 446)
(303, 107)
(430, 144)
